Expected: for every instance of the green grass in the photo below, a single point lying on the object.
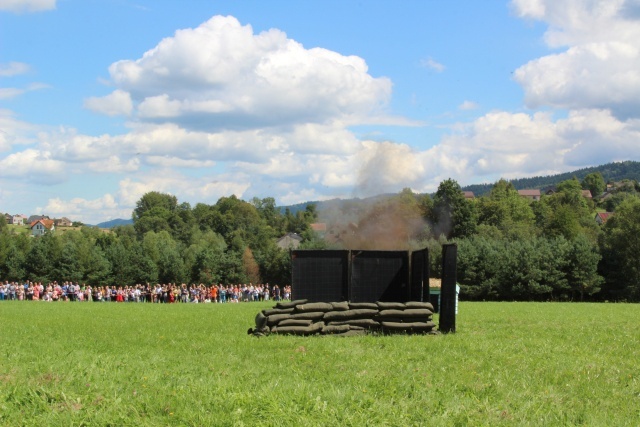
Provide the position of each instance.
(18, 229)
(143, 364)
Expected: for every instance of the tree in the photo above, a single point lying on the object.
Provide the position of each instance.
(37, 260)
(153, 202)
(621, 246)
(509, 213)
(582, 273)
(566, 213)
(67, 266)
(251, 268)
(594, 182)
(153, 212)
(452, 214)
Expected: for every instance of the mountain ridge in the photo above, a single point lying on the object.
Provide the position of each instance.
(615, 171)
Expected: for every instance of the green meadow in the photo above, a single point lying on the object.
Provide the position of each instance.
(111, 364)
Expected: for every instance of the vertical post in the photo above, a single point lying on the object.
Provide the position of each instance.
(448, 293)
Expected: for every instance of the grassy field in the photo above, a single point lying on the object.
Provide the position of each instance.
(143, 364)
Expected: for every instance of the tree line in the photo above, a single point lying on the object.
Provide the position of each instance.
(232, 241)
(509, 247)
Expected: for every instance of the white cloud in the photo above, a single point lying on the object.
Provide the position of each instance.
(600, 68)
(206, 189)
(221, 75)
(432, 64)
(33, 165)
(13, 68)
(467, 105)
(13, 131)
(508, 145)
(20, 6)
(78, 209)
(116, 103)
(10, 92)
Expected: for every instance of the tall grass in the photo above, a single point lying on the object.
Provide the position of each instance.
(183, 364)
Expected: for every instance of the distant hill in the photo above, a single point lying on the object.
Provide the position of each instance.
(115, 223)
(610, 172)
(327, 204)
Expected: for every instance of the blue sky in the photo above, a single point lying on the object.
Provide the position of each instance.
(104, 100)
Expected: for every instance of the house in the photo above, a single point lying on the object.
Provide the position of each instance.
(587, 194)
(468, 195)
(8, 218)
(320, 228)
(33, 218)
(63, 222)
(289, 241)
(530, 194)
(603, 217)
(17, 220)
(42, 226)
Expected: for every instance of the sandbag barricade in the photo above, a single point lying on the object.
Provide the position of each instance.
(302, 317)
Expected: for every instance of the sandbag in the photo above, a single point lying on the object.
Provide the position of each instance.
(313, 315)
(335, 329)
(277, 318)
(357, 305)
(291, 304)
(417, 312)
(362, 313)
(272, 311)
(290, 330)
(340, 306)
(365, 323)
(298, 330)
(295, 322)
(386, 314)
(415, 327)
(313, 306)
(390, 305)
(419, 304)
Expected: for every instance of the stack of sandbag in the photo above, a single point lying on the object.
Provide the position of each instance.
(302, 317)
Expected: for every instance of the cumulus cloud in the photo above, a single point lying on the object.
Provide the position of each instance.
(13, 68)
(12, 92)
(468, 105)
(80, 209)
(33, 165)
(432, 64)
(116, 103)
(600, 69)
(518, 145)
(22, 6)
(206, 189)
(13, 131)
(221, 75)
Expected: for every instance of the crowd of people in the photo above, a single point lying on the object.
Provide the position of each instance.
(158, 293)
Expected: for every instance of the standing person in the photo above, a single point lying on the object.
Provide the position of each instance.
(276, 293)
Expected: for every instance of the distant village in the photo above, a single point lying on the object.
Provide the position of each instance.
(39, 224)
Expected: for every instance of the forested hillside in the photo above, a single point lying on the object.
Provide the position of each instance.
(610, 172)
